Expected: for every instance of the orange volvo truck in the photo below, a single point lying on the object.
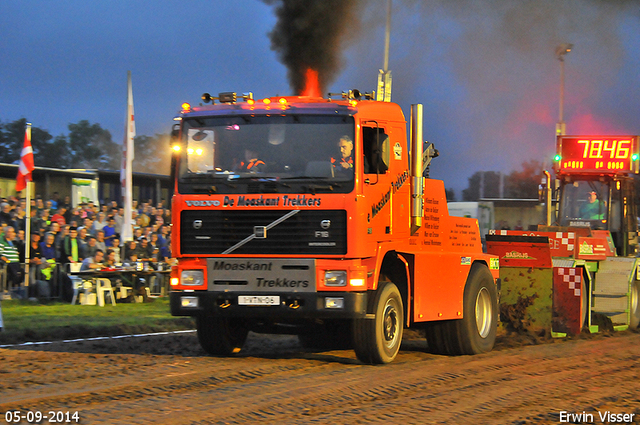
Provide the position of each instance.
(311, 216)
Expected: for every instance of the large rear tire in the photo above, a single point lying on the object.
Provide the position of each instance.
(377, 340)
(221, 336)
(476, 332)
(634, 305)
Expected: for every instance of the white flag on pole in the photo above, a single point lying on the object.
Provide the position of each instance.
(127, 164)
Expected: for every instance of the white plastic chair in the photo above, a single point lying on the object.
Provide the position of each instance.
(103, 286)
(87, 296)
(81, 288)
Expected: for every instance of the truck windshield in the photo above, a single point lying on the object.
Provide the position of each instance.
(584, 203)
(291, 149)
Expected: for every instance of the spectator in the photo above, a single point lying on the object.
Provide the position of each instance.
(88, 209)
(19, 216)
(40, 206)
(59, 216)
(71, 248)
(119, 217)
(165, 251)
(109, 232)
(88, 224)
(34, 221)
(82, 237)
(45, 220)
(116, 249)
(5, 216)
(99, 223)
(10, 255)
(110, 259)
(35, 259)
(163, 234)
(76, 216)
(54, 228)
(130, 247)
(20, 242)
(154, 243)
(131, 261)
(54, 200)
(67, 202)
(64, 232)
(100, 242)
(91, 248)
(143, 250)
(48, 248)
(95, 262)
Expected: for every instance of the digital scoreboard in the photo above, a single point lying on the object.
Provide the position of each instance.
(597, 154)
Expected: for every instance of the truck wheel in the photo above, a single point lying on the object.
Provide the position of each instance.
(377, 340)
(634, 305)
(476, 332)
(221, 336)
(479, 325)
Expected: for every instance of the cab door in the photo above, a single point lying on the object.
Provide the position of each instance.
(384, 177)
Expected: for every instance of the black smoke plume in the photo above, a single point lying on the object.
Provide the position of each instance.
(310, 34)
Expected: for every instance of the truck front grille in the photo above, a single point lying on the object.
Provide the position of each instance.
(315, 232)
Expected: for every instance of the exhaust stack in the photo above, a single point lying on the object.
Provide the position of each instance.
(417, 169)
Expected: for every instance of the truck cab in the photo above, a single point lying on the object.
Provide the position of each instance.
(601, 203)
(596, 186)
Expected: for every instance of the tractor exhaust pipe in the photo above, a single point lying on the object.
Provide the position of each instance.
(417, 169)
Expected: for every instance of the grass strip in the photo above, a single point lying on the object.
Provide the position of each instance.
(32, 321)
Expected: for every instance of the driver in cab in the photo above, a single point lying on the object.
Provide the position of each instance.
(251, 163)
(345, 161)
(593, 209)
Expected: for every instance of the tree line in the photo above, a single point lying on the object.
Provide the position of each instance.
(86, 145)
(518, 184)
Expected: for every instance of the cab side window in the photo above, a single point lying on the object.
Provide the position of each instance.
(376, 150)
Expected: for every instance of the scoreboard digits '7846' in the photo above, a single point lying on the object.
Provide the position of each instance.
(597, 154)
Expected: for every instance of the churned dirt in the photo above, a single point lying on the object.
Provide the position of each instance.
(168, 379)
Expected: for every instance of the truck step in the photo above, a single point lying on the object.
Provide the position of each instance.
(602, 302)
(614, 275)
(618, 318)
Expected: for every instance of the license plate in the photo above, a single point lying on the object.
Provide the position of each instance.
(258, 300)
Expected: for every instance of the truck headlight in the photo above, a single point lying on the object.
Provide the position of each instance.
(192, 277)
(335, 278)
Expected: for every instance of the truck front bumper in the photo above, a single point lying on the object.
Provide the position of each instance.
(298, 305)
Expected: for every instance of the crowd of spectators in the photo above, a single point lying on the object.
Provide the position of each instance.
(63, 234)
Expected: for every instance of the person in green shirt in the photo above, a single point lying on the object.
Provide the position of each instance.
(71, 248)
(593, 209)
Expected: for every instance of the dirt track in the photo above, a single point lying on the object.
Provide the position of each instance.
(169, 380)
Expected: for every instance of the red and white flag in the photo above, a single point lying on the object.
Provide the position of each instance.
(26, 161)
(127, 165)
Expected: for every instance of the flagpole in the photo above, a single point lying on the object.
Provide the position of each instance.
(127, 164)
(27, 228)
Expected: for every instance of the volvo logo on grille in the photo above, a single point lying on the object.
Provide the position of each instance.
(197, 224)
(325, 224)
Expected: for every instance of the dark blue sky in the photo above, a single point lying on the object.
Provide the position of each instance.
(484, 69)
